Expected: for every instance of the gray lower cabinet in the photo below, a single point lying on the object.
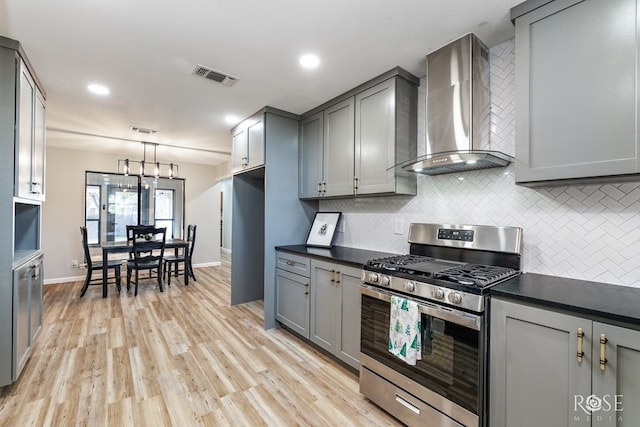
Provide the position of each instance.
(546, 369)
(292, 292)
(27, 311)
(335, 310)
(576, 90)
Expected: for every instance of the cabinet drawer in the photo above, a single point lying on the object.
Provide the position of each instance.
(293, 263)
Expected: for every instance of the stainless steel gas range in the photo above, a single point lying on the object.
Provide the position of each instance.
(448, 271)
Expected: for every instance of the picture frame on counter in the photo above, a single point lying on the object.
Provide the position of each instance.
(323, 229)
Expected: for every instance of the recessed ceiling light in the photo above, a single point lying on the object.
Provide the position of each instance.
(232, 120)
(98, 89)
(309, 61)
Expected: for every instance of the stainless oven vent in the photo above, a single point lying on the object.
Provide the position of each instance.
(216, 76)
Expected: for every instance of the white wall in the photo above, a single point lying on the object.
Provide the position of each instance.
(226, 188)
(589, 232)
(63, 211)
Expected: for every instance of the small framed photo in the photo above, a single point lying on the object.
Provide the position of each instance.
(323, 229)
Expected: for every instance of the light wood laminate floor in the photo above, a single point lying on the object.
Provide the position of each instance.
(183, 358)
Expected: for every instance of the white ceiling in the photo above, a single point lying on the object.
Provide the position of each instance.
(145, 51)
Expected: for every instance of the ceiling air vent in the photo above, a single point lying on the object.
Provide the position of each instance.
(142, 130)
(216, 76)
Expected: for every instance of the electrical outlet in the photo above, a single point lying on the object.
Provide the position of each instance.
(398, 226)
(74, 263)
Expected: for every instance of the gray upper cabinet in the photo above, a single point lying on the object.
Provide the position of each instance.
(311, 156)
(338, 150)
(385, 126)
(30, 138)
(544, 365)
(576, 90)
(349, 145)
(248, 145)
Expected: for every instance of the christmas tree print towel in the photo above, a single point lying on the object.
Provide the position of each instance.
(404, 330)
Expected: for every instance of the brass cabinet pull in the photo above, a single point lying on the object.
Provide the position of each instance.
(603, 359)
(289, 262)
(306, 289)
(580, 352)
(332, 276)
(319, 187)
(355, 184)
(337, 277)
(324, 187)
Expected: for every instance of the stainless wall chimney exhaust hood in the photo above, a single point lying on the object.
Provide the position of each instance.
(458, 111)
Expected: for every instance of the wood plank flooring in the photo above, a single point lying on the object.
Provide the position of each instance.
(179, 358)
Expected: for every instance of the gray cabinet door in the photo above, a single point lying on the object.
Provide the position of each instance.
(311, 156)
(255, 144)
(239, 151)
(38, 158)
(21, 318)
(323, 303)
(576, 90)
(375, 139)
(292, 301)
(349, 306)
(26, 96)
(35, 298)
(534, 368)
(617, 381)
(338, 169)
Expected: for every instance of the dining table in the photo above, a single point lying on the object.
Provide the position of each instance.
(125, 246)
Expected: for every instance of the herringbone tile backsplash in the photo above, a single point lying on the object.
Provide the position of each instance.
(589, 232)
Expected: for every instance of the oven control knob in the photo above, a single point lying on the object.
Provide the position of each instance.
(385, 281)
(373, 277)
(438, 293)
(410, 286)
(455, 297)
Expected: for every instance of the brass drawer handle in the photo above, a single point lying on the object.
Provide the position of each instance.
(332, 279)
(603, 359)
(337, 277)
(580, 352)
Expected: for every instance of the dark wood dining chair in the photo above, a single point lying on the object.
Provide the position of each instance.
(148, 254)
(96, 266)
(185, 258)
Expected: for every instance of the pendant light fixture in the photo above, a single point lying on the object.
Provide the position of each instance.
(172, 168)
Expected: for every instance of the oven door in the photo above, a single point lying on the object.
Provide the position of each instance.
(448, 377)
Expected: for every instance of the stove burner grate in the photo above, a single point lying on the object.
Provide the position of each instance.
(476, 274)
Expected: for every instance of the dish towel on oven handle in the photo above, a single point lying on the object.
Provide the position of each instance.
(404, 330)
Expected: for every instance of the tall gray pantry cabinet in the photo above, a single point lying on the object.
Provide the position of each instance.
(22, 162)
(265, 207)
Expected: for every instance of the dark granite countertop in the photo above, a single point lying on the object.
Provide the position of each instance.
(601, 300)
(341, 254)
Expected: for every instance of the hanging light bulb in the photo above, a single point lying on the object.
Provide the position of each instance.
(171, 171)
(126, 167)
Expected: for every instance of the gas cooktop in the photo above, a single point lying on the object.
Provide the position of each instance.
(420, 267)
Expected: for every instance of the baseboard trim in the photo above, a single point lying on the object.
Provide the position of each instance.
(208, 264)
(64, 280)
(225, 251)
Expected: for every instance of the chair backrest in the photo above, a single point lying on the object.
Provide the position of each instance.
(148, 244)
(191, 238)
(85, 246)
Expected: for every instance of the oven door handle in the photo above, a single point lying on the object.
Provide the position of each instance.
(454, 316)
